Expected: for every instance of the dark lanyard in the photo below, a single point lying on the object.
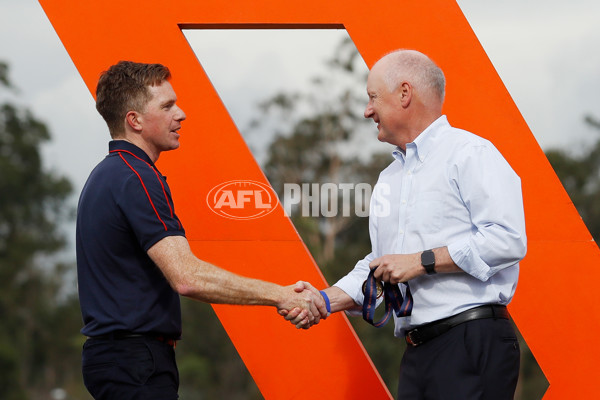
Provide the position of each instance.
(392, 297)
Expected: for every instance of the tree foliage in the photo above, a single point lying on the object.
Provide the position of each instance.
(209, 365)
(580, 176)
(316, 140)
(32, 207)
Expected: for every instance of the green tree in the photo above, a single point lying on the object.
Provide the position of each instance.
(209, 365)
(32, 207)
(580, 176)
(315, 143)
(579, 172)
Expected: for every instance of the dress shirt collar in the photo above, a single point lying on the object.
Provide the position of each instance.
(123, 145)
(424, 142)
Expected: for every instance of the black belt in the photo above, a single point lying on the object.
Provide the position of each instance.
(128, 335)
(424, 333)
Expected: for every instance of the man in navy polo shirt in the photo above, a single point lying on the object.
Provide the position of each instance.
(133, 260)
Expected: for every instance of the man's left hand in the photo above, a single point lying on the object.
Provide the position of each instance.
(396, 268)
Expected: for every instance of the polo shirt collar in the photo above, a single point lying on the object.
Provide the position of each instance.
(123, 145)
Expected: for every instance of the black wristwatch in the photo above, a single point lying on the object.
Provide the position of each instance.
(428, 261)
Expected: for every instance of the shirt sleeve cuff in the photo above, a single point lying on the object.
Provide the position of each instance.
(467, 258)
(353, 288)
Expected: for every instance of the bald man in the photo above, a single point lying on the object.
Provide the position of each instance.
(447, 229)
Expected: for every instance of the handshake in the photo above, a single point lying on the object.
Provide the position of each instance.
(303, 305)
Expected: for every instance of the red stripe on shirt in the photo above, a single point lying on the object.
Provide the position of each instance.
(145, 190)
(157, 177)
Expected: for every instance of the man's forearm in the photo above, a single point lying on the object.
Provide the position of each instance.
(200, 280)
(340, 300)
(211, 284)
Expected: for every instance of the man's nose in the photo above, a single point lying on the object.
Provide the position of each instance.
(181, 115)
(368, 111)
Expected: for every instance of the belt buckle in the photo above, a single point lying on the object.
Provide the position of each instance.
(413, 338)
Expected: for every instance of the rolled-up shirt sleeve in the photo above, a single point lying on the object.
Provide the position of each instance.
(491, 191)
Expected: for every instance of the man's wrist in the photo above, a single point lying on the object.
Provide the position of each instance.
(327, 302)
(428, 261)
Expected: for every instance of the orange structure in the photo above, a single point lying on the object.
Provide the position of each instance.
(554, 307)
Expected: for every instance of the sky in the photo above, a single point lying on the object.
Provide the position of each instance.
(545, 51)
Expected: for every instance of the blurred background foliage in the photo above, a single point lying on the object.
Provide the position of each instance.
(319, 137)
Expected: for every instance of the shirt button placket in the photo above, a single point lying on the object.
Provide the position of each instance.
(406, 183)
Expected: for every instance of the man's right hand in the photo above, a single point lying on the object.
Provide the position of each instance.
(303, 305)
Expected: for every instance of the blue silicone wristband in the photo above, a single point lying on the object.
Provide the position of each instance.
(327, 303)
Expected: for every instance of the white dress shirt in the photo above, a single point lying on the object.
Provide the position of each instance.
(450, 188)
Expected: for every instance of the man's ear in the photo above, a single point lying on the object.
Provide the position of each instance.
(133, 119)
(405, 91)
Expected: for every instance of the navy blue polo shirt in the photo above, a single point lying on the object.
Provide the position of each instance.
(124, 209)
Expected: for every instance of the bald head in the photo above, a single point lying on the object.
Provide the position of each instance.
(426, 78)
(406, 94)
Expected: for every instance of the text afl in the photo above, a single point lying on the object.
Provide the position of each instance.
(242, 199)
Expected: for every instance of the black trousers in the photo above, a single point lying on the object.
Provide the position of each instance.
(137, 368)
(477, 360)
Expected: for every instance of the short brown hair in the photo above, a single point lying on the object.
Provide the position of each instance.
(123, 88)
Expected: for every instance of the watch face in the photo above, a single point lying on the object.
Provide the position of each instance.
(428, 258)
(428, 261)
